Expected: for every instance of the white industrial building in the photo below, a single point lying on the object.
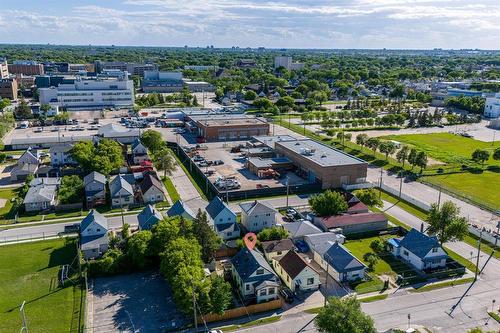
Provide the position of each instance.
(87, 93)
(287, 62)
(492, 106)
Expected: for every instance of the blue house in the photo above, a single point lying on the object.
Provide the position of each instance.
(180, 209)
(419, 250)
(253, 276)
(341, 264)
(223, 219)
(148, 217)
(94, 239)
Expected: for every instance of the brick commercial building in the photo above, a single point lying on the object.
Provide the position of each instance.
(323, 164)
(8, 89)
(26, 69)
(229, 129)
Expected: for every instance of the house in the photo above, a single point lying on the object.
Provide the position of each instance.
(222, 219)
(353, 223)
(22, 171)
(30, 156)
(354, 205)
(277, 248)
(419, 250)
(56, 181)
(320, 243)
(94, 239)
(139, 152)
(40, 197)
(298, 230)
(256, 216)
(253, 276)
(180, 209)
(149, 217)
(152, 189)
(122, 192)
(95, 188)
(342, 265)
(296, 273)
(60, 155)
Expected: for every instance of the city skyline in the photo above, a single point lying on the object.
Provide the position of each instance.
(392, 24)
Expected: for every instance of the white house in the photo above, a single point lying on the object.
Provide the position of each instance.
(94, 235)
(492, 106)
(296, 273)
(152, 189)
(60, 155)
(342, 265)
(139, 152)
(256, 216)
(122, 192)
(419, 250)
(276, 249)
(223, 219)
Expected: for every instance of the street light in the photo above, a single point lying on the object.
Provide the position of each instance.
(493, 305)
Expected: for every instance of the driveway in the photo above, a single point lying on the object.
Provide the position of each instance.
(140, 302)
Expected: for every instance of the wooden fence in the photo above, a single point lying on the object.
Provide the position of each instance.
(242, 311)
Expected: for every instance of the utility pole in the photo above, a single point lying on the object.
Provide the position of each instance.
(23, 317)
(287, 191)
(121, 209)
(494, 248)
(380, 183)
(439, 197)
(478, 254)
(400, 184)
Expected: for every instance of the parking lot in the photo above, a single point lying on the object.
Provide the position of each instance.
(233, 167)
(139, 302)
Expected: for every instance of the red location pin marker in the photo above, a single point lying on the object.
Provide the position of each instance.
(250, 240)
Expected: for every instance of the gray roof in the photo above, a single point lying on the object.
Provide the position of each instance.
(118, 183)
(179, 208)
(24, 168)
(299, 229)
(40, 193)
(227, 227)
(322, 242)
(256, 206)
(270, 140)
(215, 207)
(94, 216)
(319, 153)
(46, 181)
(267, 283)
(267, 162)
(247, 261)
(94, 241)
(116, 130)
(341, 259)
(61, 148)
(148, 217)
(94, 176)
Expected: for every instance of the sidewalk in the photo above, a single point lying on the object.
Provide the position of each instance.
(429, 195)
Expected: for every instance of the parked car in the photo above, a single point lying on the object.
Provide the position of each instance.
(287, 295)
(203, 164)
(38, 130)
(198, 158)
(218, 162)
(72, 228)
(302, 246)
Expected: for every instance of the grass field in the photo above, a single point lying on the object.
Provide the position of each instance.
(29, 272)
(446, 147)
(172, 191)
(6, 194)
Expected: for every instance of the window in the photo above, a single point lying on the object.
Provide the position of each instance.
(405, 253)
(260, 271)
(434, 250)
(247, 287)
(220, 219)
(268, 214)
(310, 281)
(287, 278)
(279, 253)
(98, 230)
(271, 291)
(263, 292)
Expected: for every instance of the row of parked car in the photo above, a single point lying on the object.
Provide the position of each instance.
(227, 183)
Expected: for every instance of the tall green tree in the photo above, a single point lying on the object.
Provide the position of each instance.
(164, 160)
(71, 189)
(138, 249)
(368, 196)
(373, 144)
(206, 236)
(328, 203)
(387, 148)
(220, 295)
(361, 139)
(446, 223)
(496, 154)
(480, 155)
(402, 155)
(421, 160)
(343, 315)
(152, 140)
(412, 157)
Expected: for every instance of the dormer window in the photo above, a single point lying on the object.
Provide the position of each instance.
(434, 250)
(260, 271)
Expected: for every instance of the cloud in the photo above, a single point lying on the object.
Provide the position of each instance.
(291, 23)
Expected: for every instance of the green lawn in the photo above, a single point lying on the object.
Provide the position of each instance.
(414, 210)
(442, 285)
(252, 323)
(495, 316)
(6, 194)
(446, 147)
(373, 298)
(172, 191)
(29, 272)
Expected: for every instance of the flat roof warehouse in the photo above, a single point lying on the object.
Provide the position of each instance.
(319, 153)
(231, 122)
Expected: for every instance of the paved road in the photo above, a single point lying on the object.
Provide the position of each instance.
(429, 195)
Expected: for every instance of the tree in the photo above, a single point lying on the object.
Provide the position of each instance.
(412, 157)
(165, 161)
(45, 108)
(371, 259)
(126, 231)
(328, 203)
(105, 157)
(274, 233)
(446, 223)
(343, 315)
(4, 102)
(496, 154)
(206, 236)
(250, 95)
(480, 156)
(369, 197)
(195, 101)
(402, 155)
(83, 152)
(361, 139)
(373, 144)
(71, 189)
(387, 148)
(152, 140)
(421, 160)
(220, 295)
(377, 246)
(138, 249)
(22, 110)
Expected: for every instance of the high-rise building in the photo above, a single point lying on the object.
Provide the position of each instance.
(282, 61)
(131, 68)
(26, 67)
(4, 69)
(8, 89)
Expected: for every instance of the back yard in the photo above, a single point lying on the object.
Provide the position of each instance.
(29, 272)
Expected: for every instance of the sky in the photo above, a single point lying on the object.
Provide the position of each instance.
(394, 24)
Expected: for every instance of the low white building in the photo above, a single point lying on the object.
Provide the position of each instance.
(492, 106)
(94, 239)
(296, 273)
(256, 216)
(87, 93)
